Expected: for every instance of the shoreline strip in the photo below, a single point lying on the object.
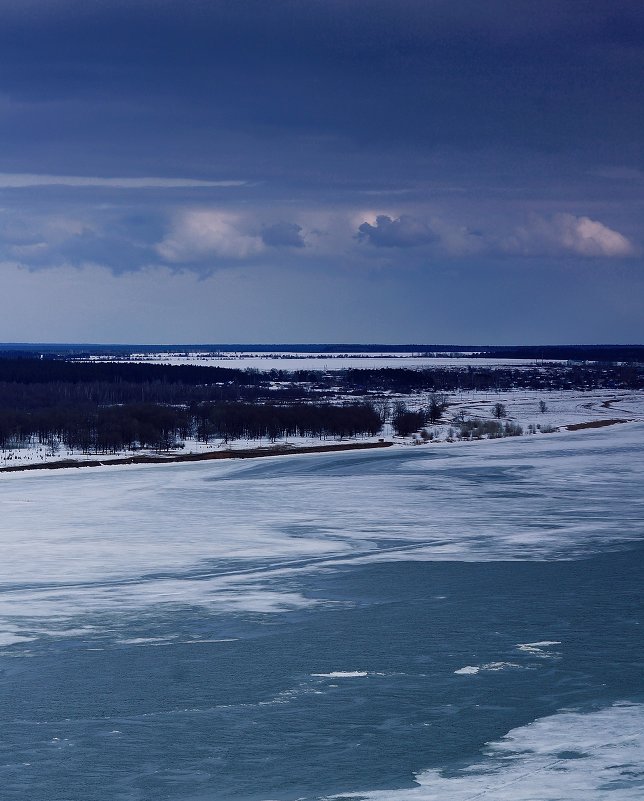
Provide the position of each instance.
(246, 453)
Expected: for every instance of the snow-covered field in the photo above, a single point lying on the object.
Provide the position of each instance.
(562, 408)
(284, 360)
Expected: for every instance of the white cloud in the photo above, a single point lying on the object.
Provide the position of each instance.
(200, 234)
(592, 238)
(26, 180)
(569, 234)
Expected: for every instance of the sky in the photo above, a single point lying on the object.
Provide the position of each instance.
(424, 171)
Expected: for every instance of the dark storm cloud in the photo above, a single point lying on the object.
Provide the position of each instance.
(403, 232)
(121, 253)
(283, 234)
(50, 235)
(346, 120)
(182, 76)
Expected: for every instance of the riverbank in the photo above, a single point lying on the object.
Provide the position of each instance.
(536, 413)
(246, 453)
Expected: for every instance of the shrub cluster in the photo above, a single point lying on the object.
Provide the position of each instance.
(476, 428)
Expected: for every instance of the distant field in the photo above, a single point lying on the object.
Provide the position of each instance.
(315, 361)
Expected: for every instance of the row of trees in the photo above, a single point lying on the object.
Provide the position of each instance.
(41, 395)
(115, 428)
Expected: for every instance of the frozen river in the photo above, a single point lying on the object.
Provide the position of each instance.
(446, 623)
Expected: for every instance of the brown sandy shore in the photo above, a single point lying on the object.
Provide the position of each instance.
(595, 424)
(248, 453)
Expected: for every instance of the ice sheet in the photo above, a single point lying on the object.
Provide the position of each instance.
(235, 535)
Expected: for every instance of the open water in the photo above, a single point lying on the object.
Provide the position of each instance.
(421, 623)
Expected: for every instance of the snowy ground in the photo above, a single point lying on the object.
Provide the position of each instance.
(562, 408)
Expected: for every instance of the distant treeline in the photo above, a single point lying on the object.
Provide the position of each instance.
(573, 353)
(112, 382)
(43, 395)
(36, 383)
(455, 379)
(602, 353)
(46, 371)
(110, 429)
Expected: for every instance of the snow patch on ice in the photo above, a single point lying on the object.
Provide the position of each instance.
(574, 756)
(9, 638)
(470, 670)
(541, 649)
(342, 674)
